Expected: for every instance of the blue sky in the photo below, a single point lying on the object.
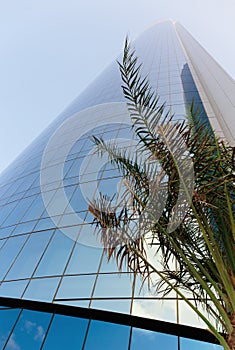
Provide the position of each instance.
(50, 51)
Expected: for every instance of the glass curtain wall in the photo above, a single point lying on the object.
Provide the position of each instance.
(38, 258)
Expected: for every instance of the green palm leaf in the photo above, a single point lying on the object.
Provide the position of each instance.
(198, 233)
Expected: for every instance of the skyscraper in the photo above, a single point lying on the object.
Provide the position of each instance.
(57, 288)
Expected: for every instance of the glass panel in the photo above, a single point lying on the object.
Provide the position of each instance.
(5, 211)
(164, 310)
(108, 265)
(20, 209)
(24, 228)
(66, 333)
(8, 253)
(29, 331)
(44, 224)
(56, 255)
(35, 211)
(77, 202)
(7, 320)
(2, 241)
(42, 289)
(5, 232)
(113, 285)
(188, 317)
(30, 255)
(76, 287)
(142, 339)
(186, 344)
(117, 305)
(106, 336)
(13, 289)
(84, 260)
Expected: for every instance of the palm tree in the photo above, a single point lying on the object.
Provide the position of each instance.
(185, 211)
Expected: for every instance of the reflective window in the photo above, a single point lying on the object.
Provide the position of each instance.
(42, 289)
(186, 344)
(142, 339)
(54, 260)
(18, 212)
(118, 305)
(5, 232)
(76, 287)
(9, 251)
(29, 331)
(188, 317)
(29, 256)
(66, 333)
(44, 224)
(24, 227)
(106, 336)
(84, 260)
(113, 285)
(157, 309)
(2, 241)
(8, 318)
(13, 289)
(5, 211)
(78, 203)
(35, 210)
(108, 265)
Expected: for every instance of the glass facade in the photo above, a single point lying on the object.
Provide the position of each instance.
(45, 254)
(30, 329)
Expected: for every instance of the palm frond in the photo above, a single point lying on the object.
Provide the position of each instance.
(185, 212)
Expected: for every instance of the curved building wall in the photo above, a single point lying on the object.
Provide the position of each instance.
(48, 257)
(215, 86)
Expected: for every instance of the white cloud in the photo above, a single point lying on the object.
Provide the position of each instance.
(157, 309)
(40, 333)
(12, 343)
(166, 311)
(37, 330)
(29, 326)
